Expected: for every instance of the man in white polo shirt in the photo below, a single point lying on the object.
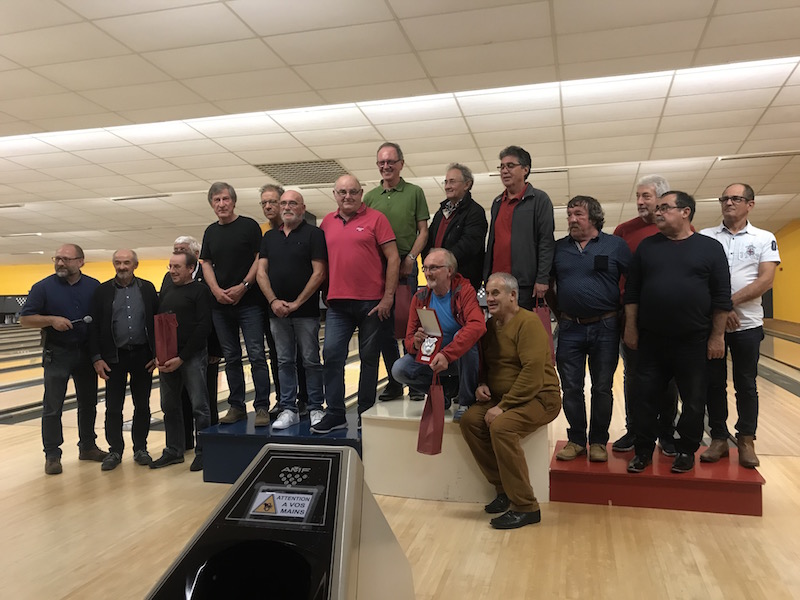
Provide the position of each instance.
(752, 259)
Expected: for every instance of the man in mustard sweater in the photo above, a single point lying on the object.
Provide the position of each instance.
(518, 393)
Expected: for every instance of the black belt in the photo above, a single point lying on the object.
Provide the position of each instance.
(590, 320)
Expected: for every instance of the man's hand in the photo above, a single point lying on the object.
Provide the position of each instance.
(439, 363)
(482, 393)
(222, 296)
(492, 414)
(151, 365)
(236, 293)
(280, 308)
(407, 266)
(716, 346)
(733, 322)
(61, 324)
(214, 360)
(102, 369)
(384, 309)
(631, 337)
(540, 289)
(173, 364)
(419, 337)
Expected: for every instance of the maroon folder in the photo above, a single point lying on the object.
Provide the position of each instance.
(166, 337)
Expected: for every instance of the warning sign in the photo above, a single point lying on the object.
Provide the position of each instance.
(266, 507)
(290, 504)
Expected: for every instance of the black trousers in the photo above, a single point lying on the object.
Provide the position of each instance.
(132, 363)
(212, 384)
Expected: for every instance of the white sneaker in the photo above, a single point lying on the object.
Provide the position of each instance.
(287, 418)
(315, 416)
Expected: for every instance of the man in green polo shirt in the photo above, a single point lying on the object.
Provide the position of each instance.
(406, 209)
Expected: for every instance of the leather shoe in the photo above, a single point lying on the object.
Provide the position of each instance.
(513, 519)
(639, 463)
(233, 415)
(716, 450)
(598, 453)
(498, 505)
(684, 462)
(165, 460)
(668, 446)
(52, 466)
(747, 451)
(391, 392)
(571, 451)
(625, 443)
(94, 454)
(197, 463)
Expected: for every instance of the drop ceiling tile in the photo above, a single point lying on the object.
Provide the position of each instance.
(184, 148)
(98, 183)
(235, 125)
(494, 79)
(613, 89)
(22, 15)
(75, 172)
(700, 136)
(704, 150)
(328, 45)
(152, 95)
(320, 118)
(225, 173)
(349, 135)
(616, 111)
(582, 158)
(746, 52)
(190, 183)
(139, 166)
(21, 83)
(98, 9)
(537, 135)
(24, 145)
(517, 120)
(467, 60)
(602, 144)
(411, 109)
(205, 160)
(788, 96)
(628, 41)
(121, 191)
(102, 156)
(457, 144)
(579, 16)
(778, 130)
(57, 44)
(712, 80)
(780, 114)
(611, 129)
(270, 17)
(14, 177)
(762, 25)
(216, 59)
(249, 84)
(361, 93)
(45, 107)
(257, 157)
(775, 145)
(153, 133)
(258, 142)
(405, 67)
(44, 161)
(643, 63)
(102, 72)
(510, 100)
(39, 187)
(175, 28)
(481, 26)
(170, 113)
(278, 102)
(732, 118)
(425, 127)
(83, 140)
(78, 122)
(346, 150)
(719, 102)
(405, 9)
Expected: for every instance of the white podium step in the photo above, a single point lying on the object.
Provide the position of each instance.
(393, 467)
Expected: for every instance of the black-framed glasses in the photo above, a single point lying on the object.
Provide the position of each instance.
(387, 163)
(344, 193)
(507, 166)
(734, 199)
(65, 258)
(666, 207)
(431, 268)
(289, 203)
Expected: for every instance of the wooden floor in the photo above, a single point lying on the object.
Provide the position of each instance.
(92, 535)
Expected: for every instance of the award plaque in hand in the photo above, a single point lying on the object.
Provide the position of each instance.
(433, 342)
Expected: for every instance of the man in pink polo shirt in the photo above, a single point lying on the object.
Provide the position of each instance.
(363, 270)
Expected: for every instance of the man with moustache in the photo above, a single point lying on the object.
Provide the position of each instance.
(753, 258)
(292, 266)
(230, 260)
(190, 301)
(122, 345)
(460, 225)
(648, 190)
(677, 300)
(57, 305)
(363, 267)
(521, 238)
(406, 209)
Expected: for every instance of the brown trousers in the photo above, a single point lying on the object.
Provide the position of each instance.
(497, 448)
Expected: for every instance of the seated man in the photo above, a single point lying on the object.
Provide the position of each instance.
(461, 319)
(520, 393)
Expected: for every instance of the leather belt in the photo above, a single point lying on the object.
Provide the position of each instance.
(590, 320)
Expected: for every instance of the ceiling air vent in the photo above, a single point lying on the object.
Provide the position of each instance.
(304, 173)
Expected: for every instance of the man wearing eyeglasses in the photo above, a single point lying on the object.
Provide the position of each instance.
(752, 258)
(462, 322)
(677, 300)
(406, 209)
(292, 266)
(58, 305)
(521, 240)
(361, 290)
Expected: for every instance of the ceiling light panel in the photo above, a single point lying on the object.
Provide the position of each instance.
(312, 119)
(729, 80)
(509, 100)
(410, 110)
(602, 91)
(720, 102)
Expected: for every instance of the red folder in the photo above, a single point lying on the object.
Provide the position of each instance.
(166, 337)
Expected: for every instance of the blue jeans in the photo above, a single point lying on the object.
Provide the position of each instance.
(192, 376)
(342, 319)
(599, 342)
(745, 348)
(292, 334)
(250, 319)
(418, 376)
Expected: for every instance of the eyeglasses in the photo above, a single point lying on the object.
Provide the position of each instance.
(507, 166)
(344, 193)
(387, 163)
(430, 268)
(452, 181)
(666, 208)
(66, 258)
(265, 202)
(734, 199)
(289, 203)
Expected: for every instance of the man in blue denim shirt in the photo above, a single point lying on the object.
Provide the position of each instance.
(587, 267)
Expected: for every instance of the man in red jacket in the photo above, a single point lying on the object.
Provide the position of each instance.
(462, 323)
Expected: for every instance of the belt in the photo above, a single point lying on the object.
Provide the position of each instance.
(590, 320)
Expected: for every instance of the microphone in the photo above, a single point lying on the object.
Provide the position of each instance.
(87, 319)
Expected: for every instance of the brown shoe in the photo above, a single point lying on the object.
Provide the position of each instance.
(716, 450)
(571, 451)
(262, 417)
(52, 466)
(598, 453)
(94, 454)
(747, 451)
(233, 415)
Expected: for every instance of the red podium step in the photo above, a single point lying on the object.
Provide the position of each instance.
(723, 487)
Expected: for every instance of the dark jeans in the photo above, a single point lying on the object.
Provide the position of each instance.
(661, 359)
(212, 384)
(745, 349)
(227, 323)
(60, 363)
(599, 342)
(388, 342)
(343, 317)
(131, 362)
(293, 336)
(667, 398)
(525, 298)
(418, 376)
(192, 376)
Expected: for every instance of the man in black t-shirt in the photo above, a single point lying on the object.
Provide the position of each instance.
(677, 300)
(230, 258)
(291, 268)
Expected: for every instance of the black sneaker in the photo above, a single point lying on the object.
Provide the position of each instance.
(668, 447)
(416, 396)
(165, 460)
(625, 443)
(197, 463)
(142, 457)
(683, 463)
(111, 461)
(302, 407)
(639, 463)
(330, 423)
(393, 391)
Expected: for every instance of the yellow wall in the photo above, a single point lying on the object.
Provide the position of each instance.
(16, 280)
(786, 291)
